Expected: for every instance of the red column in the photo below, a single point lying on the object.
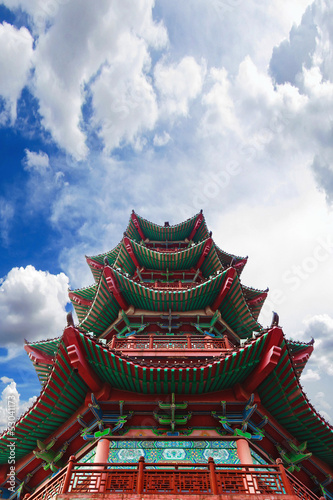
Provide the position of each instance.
(212, 476)
(140, 480)
(102, 454)
(67, 481)
(244, 455)
(102, 451)
(243, 451)
(151, 341)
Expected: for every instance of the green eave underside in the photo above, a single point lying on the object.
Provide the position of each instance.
(234, 309)
(111, 256)
(220, 375)
(226, 258)
(179, 232)
(174, 261)
(281, 394)
(103, 312)
(62, 395)
(49, 347)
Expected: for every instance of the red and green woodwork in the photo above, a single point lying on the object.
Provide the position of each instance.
(168, 347)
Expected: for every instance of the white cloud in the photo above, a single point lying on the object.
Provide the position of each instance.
(15, 62)
(7, 212)
(108, 49)
(123, 98)
(32, 306)
(161, 139)
(36, 161)
(309, 375)
(10, 402)
(178, 84)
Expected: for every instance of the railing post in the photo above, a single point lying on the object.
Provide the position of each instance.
(151, 341)
(67, 481)
(141, 465)
(226, 342)
(212, 476)
(285, 480)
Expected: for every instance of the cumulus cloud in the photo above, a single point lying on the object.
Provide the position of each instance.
(32, 306)
(36, 161)
(161, 139)
(320, 327)
(308, 45)
(178, 84)
(10, 401)
(105, 55)
(124, 100)
(309, 375)
(323, 174)
(15, 63)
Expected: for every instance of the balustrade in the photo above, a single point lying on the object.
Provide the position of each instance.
(172, 478)
(160, 343)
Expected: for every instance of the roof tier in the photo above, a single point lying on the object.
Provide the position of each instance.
(104, 309)
(278, 388)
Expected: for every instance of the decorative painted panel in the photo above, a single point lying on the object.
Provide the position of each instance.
(222, 451)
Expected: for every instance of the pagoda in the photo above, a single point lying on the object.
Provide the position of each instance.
(167, 385)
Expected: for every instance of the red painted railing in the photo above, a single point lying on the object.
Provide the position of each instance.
(299, 489)
(150, 342)
(53, 486)
(171, 478)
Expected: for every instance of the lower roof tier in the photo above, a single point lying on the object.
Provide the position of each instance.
(83, 365)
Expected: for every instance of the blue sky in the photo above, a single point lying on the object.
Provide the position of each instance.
(167, 108)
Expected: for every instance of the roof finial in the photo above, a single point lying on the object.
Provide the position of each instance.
(70, 321)
(106, 261)
(275, 319)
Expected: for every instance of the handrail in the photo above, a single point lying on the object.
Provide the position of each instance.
(172, 478)
(300, 489)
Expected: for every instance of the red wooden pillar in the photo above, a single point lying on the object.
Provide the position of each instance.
(102, 456)
(141, 465)
(113, 342)
(244, 452)
(151, 341)
(189, 346)
(212, 476)
(102, 451)
(245, 458)
(226, 342)
(67, 481)
(286, 483)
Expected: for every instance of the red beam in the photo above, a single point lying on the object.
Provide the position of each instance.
(240, 264)
(257, 300)
(270, 358)
(94, 263)
(113, 287)
(137, 225)
(130, 252)
(198, 221)
(38, 356)
(77, 359)
(207, 246)
(79, 300)
(303, 355)
(231, 273)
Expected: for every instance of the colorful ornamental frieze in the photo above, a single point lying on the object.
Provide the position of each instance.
(166, 362)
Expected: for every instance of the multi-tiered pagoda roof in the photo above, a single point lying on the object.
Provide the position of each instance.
(169, 316)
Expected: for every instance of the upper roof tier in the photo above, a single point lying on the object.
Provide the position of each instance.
(194, 229)
(191, 237)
